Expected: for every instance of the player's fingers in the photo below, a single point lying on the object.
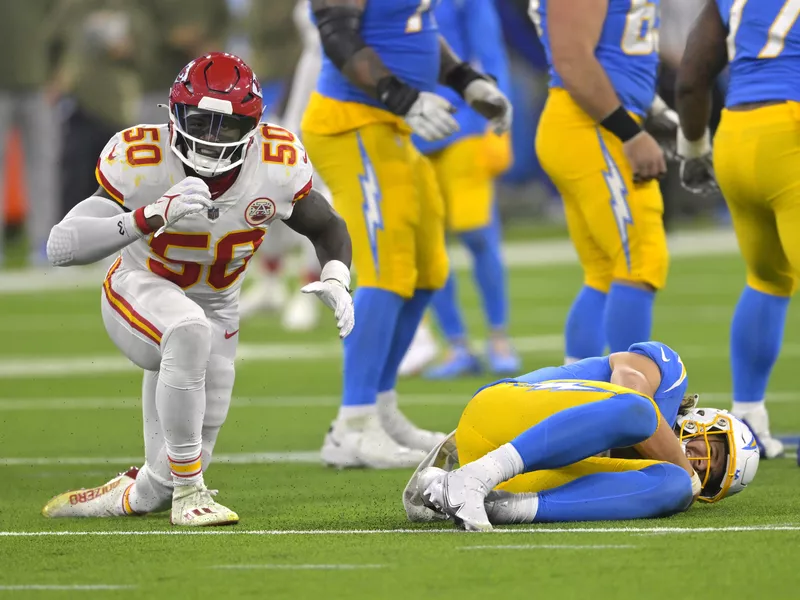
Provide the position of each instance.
(312, 288)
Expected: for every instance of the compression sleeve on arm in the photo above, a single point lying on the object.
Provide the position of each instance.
(93, 230)
(339, 31)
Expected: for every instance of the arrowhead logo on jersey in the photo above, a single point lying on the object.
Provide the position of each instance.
(259, 211)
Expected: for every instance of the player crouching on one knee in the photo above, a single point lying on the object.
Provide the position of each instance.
(185, 205)
(539, 450)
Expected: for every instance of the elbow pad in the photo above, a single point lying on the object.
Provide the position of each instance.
(60, 246)
(340, 32)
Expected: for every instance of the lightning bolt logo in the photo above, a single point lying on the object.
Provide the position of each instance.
(619, 199)
(372, 201)
(567, 386)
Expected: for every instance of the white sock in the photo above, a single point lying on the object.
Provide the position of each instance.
(355, 412)
(149, 493)
(497, 466)
(742, 408)
(387, 400)
(181, 398)
(505, 508)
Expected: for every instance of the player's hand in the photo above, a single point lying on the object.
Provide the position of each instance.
(336, 297)
(187, 197)
(487, 99)
(697, 168)
(431, 117)
(662, 124)
(645, 157)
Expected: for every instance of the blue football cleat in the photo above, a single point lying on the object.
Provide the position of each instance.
(459, 363)
(503, 364)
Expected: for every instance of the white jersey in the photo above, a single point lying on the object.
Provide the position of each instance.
(205, 254)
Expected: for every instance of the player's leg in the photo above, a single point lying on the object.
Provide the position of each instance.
(657, 490)
(432, 268)
(576, 425)
(574, 169)
(371, 181)
(763, 208)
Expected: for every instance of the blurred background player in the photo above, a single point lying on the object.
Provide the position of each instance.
(755, 159)
(603, 59)
(382, 62)
(466, 164)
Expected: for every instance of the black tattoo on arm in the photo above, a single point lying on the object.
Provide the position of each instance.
(338, 22)
(704, 58)
(314, 218)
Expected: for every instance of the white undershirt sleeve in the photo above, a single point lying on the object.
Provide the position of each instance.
(94, 229)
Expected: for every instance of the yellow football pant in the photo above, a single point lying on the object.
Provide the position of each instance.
(615, 225)
(757, 162)
(498, 414)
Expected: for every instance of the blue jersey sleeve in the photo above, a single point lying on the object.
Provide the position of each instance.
(674, 381)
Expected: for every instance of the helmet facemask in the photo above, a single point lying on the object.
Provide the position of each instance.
(209, 141)
(715, 484)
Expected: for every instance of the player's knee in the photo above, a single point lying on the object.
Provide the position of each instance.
(638, 417)
(185, 350)
(673, 491)
(775, 284)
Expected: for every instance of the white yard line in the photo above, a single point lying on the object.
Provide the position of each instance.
(551, 547)
(300, 567)
(241, 458)
(62, 588)
(281, 532)
(516, 254)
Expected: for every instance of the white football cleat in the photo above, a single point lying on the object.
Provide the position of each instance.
(422, 352)
(403, 431)
(757, 420)
(302, 312)
(362, 442)
(193, 506)
(461, 496)
(103, 501)
(267, 293)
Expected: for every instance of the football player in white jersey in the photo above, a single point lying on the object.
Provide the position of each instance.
(186, 204)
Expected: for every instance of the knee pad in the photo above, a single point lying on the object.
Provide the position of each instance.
(185, 350)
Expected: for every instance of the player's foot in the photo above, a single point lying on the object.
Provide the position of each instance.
(403, 431)
(267, 293)
(757, 420)
(362, 442)
(506, 508)
(502, 358)
(194, 506)
(422, 352)
(301, 313)
(458, 363)
(104, 501)
(461, 496)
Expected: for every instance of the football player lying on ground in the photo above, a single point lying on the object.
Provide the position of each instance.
(186, 204)
(554, 445)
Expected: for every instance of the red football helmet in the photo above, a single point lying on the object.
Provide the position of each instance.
(214, 107)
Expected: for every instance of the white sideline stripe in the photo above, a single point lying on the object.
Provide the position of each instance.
(242, 458)
(19, 588)
(134, 403)
(551, 547)
(717, 242)
(309, 567)
(277, 532)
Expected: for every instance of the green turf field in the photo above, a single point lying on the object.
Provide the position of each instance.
(71, 418)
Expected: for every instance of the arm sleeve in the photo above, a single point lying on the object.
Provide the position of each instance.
(308, 67)
(94, 229)
(486, 40)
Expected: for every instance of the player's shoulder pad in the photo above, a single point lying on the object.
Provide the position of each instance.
(673, 372)
(132, 162)
(285, 162)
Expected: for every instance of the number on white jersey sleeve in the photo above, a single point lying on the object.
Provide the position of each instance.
(280, 146)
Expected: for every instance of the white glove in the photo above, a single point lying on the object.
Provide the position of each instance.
(332, 289)
(431, 117)
(487, 99)
(187, 197)
(697, 165)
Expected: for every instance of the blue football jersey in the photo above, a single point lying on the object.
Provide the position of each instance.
(405, 35)
(668, 396)
(627, 50)
(472, 29)
(763, 50)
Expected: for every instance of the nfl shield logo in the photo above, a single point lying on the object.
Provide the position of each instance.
(213, 213)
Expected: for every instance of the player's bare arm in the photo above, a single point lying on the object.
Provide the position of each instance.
(664, 445)
(704, 58)
(314, 218)
(575, 27)
(635, 372)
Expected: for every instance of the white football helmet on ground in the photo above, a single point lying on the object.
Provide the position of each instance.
(742, 454)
